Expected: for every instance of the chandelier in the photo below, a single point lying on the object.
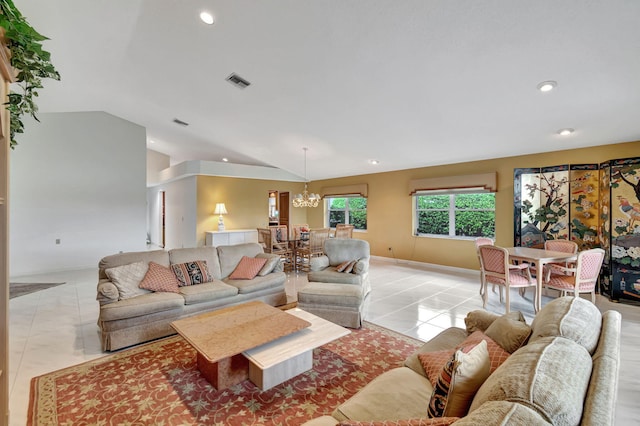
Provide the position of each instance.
(305, 199)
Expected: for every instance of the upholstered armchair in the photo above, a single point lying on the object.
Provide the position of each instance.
(338, 251)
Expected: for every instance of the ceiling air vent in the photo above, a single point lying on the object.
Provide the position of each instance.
(238, 81)
(180, 122)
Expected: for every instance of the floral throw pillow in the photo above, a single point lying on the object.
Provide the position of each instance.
(191, 273)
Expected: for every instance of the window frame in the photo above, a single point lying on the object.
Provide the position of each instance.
(452, 194)
(346, 209)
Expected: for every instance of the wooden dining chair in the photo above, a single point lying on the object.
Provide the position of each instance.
(317, 237)
(344, 231)
(268, 238)
(497, 270)
(582, 278)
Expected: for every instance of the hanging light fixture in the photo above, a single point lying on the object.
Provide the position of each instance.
(305, 199)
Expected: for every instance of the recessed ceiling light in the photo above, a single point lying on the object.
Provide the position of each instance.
(374, 162)
(225, 159)
(207, 18)
(565, 132)
(547, 86)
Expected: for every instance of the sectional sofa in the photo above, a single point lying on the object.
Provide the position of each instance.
(145, 315)
(563, 370)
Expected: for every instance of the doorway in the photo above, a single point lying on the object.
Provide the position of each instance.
(283, 203)
(162, 199)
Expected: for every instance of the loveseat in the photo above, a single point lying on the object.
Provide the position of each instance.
(565, 372)
(130, 314)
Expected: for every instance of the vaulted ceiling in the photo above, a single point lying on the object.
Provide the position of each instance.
(409, 83)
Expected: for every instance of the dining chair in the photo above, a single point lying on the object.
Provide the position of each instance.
(582, 278)
(565, 246)
(317, 237)
(482, 241)
(497, 270)
(344, 231)
(269, 240)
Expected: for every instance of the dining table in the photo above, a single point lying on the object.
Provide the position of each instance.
(539, 257)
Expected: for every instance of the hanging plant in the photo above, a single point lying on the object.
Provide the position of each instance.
(31, 61)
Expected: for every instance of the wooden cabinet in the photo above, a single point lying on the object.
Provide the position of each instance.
(231, 237)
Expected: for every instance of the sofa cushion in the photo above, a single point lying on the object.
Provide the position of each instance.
(192, 273)
(508, 333)
(331, 294)
(161, 257)
(248, 268)
(330, 275)
(270, 265)
(502, 413)
(550, 376)
(230, 256)
(143, 305)
(570, 317)
(127, 279)
(396, 394)
(207, 292)
(209, 254)
(481, 319)
(160, 278)
(259, 283)
(458, 382)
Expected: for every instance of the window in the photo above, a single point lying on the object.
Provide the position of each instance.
(456, 215)
(351, 210)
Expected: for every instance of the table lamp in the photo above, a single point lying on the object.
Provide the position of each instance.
(220, 210)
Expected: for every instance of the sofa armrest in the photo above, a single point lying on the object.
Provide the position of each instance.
(319, 263)
(107, 292)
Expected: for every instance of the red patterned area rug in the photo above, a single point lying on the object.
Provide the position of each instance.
(159, 384)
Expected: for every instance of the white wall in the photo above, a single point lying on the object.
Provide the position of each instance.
(156, 162)
(80, 178)
(180, 213)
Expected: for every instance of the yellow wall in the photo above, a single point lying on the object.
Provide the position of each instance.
(246, 200)
(389, 211)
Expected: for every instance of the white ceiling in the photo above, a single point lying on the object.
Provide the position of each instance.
(409, 83)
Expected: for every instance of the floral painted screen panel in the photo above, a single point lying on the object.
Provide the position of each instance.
(625, 228)
(604, 229)
(584, 205)
(543, 199)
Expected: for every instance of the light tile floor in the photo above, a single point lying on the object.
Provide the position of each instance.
(56, 328)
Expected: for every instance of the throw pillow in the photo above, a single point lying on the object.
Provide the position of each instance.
(349, 267)
(160, 278)
(432, 363)
(341, 267)
(509, 333)
(127, 279)
(191, 273)
(270, 264)
(438, 421)
(497, 354)
(481, 319)
(459, 381)
(248, 268)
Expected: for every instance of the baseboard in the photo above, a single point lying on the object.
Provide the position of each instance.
(425, 265)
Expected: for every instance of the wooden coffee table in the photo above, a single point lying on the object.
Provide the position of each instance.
(220, 337)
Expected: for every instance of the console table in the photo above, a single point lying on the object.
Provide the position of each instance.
(231, 237)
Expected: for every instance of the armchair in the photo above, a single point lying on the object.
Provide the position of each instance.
(337, 251)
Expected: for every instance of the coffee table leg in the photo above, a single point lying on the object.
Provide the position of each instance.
(226, 372)
(274, 375)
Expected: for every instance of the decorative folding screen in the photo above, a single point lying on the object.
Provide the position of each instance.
(593, 205)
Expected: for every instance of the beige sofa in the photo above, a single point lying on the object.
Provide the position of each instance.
(565, 374)
(148, 316)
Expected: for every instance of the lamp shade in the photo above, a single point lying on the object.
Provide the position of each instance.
(220, 209)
